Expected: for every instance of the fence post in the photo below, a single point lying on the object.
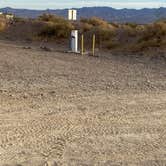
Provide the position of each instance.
(93, 45)
(82, 44)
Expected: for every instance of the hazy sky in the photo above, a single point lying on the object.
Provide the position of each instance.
(55, 4)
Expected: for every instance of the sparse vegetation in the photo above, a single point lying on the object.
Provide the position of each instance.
(109, 35)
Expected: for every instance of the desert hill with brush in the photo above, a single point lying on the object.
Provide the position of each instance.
(130, 37)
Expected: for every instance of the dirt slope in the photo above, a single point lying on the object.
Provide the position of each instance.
(79, 110)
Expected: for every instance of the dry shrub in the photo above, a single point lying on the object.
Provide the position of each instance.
(104, 33)
(86, 27)
(160, 27)
(145, 36)
(140, 29)
(156, 30)
(153, 36)
(55, 30)
(112, 44)
(144, 45)
(150, 43)
(55, 27)
(116, 25)
(51, 18)
(132, 25)
(97, 22)
(3, 23)
(129, 30)
(19, 19)
(103, 30)
(22, 30)
(2, 26)
(94, 21)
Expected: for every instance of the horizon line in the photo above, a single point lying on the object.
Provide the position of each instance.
(82, 7)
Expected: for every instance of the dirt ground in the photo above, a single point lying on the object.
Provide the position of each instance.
(77, 110)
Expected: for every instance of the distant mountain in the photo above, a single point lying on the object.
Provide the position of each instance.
(110, 14)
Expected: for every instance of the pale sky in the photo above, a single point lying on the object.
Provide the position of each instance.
(59, 4)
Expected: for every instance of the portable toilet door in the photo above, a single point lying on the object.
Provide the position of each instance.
(74, 41)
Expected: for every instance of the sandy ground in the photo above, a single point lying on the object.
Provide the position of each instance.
(79, 110)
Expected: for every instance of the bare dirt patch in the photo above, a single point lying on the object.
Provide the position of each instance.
(79, 110)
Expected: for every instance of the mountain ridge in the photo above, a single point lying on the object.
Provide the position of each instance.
(142, 16)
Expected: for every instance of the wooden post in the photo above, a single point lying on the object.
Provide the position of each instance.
(93, 45)
(82, 44)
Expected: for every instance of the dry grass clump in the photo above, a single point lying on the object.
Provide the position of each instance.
(104, 31)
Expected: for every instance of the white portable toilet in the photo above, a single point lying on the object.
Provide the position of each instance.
(72, 16)
(74, 41)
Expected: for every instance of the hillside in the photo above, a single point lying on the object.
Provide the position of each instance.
(128, 37)
(110, 14)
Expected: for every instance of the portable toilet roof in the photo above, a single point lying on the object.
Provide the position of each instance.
(72, 14)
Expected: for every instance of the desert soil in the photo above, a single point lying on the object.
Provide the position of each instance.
(78, 110)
